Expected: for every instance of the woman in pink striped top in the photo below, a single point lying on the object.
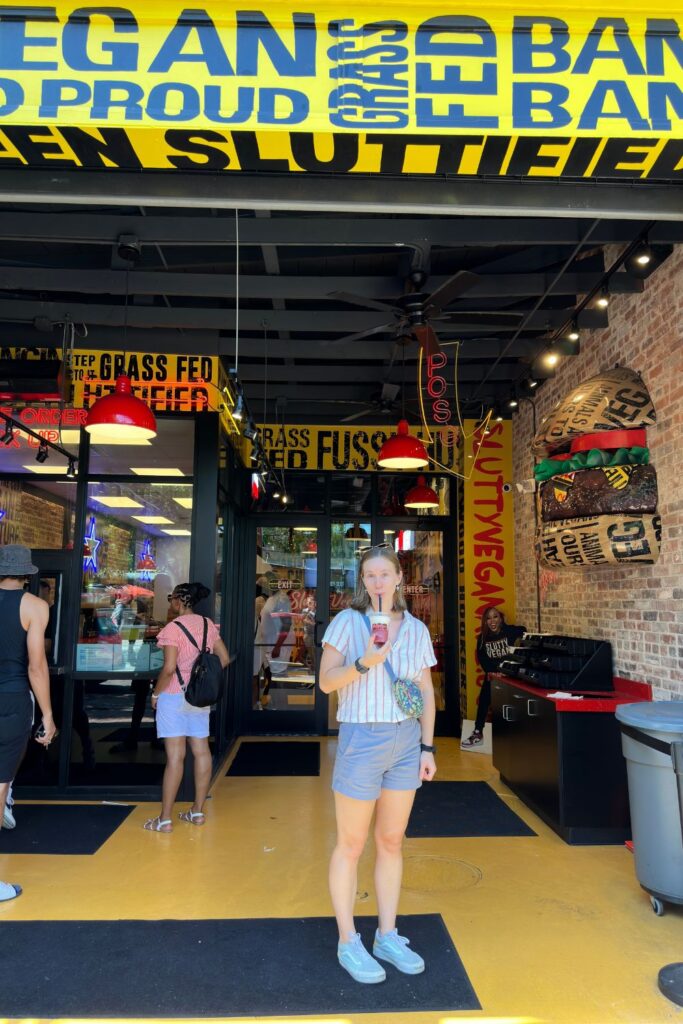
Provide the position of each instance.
(178, 722)
(383, 755)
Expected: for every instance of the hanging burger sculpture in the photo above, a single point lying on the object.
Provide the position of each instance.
(597, 492)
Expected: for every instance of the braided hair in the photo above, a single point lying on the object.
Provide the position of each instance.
(191, 593)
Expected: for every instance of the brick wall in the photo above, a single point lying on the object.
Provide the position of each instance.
(639, 609)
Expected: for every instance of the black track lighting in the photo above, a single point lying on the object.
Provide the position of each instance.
(602, 301)
(71, 471)
(512, 403)
(42, 453)
(573, 332)
(8, 436)
(642, 255)
(250, 431)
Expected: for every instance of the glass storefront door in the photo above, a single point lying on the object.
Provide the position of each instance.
(287, 626)
(430, 596)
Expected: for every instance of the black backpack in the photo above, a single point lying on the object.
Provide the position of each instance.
(205, 685)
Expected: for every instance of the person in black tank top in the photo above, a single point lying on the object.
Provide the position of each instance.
(23, 671)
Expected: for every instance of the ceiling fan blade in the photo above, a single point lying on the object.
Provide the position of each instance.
(460, 282)
(427, 339)
(357, 415)
(356, 337)
(361, 300)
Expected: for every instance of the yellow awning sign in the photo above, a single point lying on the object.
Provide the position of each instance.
(406, 88)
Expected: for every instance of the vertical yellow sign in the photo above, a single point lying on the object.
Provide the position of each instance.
(487, 566)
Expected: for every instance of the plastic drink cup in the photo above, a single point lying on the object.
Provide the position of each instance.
(379, 624)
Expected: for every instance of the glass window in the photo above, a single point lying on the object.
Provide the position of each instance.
(350, 495)
(347, 540)
(420, 553)
(392, 490)
(285, 618)
(169, 454)
(305, 492)
(37, 514)
(135, 550)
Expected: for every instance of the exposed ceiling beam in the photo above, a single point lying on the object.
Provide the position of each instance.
(204, 230)
(411, 194)
(348, 374)
(299, 321)
(275, 286)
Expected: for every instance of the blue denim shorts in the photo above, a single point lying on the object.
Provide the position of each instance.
(175, 717)
(374, 756)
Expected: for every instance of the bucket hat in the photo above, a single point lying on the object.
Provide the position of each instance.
(15, 560)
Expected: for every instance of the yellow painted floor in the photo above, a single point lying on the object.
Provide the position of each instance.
(546, 931)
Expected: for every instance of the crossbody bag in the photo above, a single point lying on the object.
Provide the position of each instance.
(406, 693)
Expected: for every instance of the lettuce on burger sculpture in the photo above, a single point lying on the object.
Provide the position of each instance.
(597, 493)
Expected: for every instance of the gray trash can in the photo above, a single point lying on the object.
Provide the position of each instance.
(652, 743)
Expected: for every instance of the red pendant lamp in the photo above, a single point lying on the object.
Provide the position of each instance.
(402, 451)
(122, 417)
(421, 495)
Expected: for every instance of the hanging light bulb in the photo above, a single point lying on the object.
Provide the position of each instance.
(121, 416)
(421, 496)
(402, 451)
(356, 534)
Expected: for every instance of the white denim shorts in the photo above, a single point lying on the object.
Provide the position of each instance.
(175, 717)
(373, 756)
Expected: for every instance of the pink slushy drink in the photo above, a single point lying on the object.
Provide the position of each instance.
(379, 624)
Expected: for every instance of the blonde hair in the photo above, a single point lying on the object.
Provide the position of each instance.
(361, 599)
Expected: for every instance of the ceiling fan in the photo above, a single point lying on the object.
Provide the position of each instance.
(415, 311)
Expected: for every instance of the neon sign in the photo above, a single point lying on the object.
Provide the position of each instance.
(91, 544)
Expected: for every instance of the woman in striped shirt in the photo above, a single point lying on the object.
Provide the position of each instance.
(383, 755)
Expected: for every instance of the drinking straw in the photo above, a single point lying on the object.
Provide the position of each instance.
(380, 602)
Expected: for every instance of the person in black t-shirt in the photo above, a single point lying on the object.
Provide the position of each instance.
(496, 640)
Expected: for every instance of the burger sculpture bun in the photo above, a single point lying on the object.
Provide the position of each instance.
(597, 497)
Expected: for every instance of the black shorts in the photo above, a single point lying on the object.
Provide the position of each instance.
(16, 720)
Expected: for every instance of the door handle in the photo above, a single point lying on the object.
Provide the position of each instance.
(531, 706)
(507, 709)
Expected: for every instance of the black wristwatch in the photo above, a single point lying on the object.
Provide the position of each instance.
(426, 749)
(360, 667)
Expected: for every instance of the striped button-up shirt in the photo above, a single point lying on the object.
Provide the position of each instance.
(369, 698)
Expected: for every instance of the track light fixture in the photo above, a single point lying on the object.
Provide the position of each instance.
(573, 333)
(42, 453)
(71, 471)
(8, 436)
(512, 403)
(496, 413)
(602, 300)
(642, 256)
(250, 431)
(531, 383)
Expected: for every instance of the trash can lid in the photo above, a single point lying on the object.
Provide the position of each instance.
(657, 715)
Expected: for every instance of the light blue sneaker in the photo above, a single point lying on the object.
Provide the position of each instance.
(354, 958)
(394, 948)
(8, 819)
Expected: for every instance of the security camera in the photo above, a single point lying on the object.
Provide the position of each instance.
(507, 488)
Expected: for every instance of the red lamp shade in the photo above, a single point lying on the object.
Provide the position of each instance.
(421, 496)
(401, 451)
(121, 416)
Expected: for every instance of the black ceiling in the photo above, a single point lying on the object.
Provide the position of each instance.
(296, 347)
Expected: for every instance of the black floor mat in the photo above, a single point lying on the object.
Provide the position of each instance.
(235, 968)
(61, 828)
(462, 809)
(275, 757)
